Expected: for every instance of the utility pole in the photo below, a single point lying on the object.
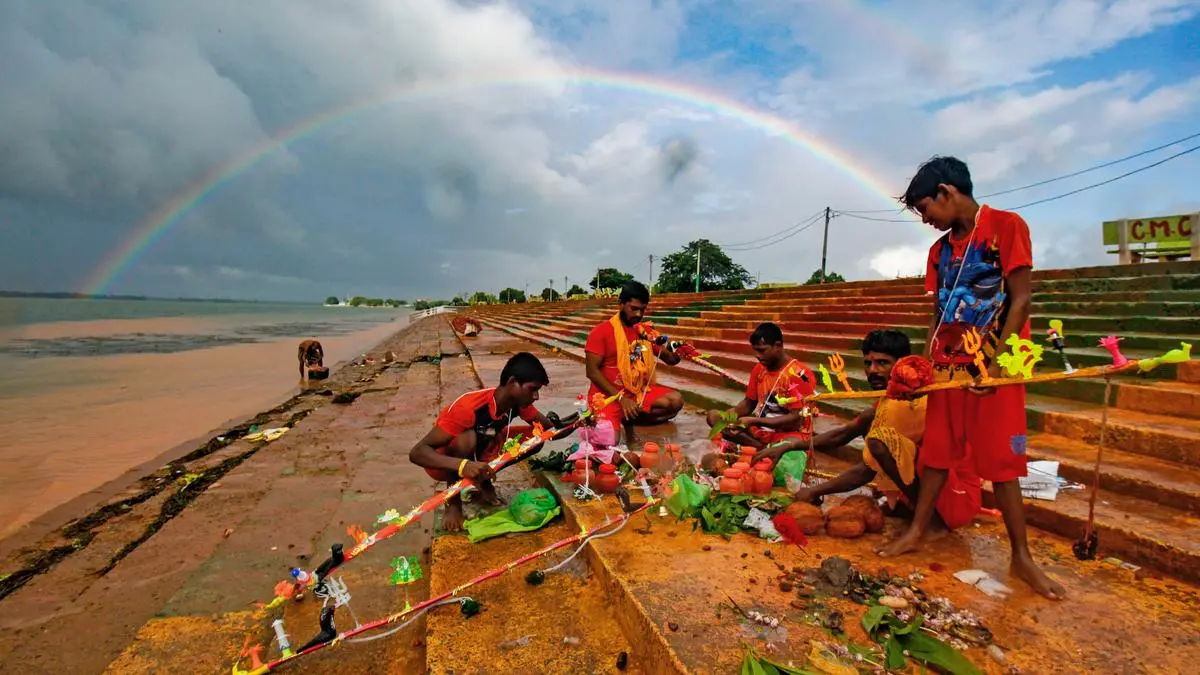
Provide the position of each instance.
(651, 269)
(597, 281)
(565, 286)
(697, 267)
(825, 244)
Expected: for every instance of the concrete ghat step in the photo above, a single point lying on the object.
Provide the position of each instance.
(521, 628)
(1157, 535)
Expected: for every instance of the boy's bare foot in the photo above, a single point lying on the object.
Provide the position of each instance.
(1026, 570)
(452, 519)
(487, 494)
(907, 543)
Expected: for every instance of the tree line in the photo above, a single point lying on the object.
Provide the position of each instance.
(677, 274)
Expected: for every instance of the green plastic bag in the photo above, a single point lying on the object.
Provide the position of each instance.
(530, 510)
(686, 496)
(791, 464)
(531, 506)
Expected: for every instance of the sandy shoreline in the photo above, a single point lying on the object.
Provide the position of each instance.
(90, 420)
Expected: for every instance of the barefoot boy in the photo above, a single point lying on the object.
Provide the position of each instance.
(979, 274)
(472, 430)
(762, 419)
(893, 430)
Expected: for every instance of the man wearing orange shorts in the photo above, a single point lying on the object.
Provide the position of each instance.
(619, 359)
(762, 419)
(980, 276)
(893, 432)
(471, 431)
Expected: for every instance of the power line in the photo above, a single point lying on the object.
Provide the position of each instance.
(806, 221)
(1093, 168)
(855, 214)
(812, 222)
(1106, 182)
(1047, 181)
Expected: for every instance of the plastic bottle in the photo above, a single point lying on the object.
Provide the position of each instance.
(608, 480)
(731, 481)
(764, 477)
(649, 457)
(744, 471)
(580, 403)
(747, 455)
(579, 475)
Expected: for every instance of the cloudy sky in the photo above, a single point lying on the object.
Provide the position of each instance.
(419, 148)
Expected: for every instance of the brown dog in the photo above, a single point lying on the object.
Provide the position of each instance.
(310, 354)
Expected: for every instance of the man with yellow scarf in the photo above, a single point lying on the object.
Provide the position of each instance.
(619, 359)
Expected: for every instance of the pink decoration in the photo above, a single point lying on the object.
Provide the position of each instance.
(595, 442)
(1110, 343)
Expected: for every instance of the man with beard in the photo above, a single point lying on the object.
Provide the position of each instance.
(620, 360)
(893, 430)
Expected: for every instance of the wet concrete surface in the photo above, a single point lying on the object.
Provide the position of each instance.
(662, 573)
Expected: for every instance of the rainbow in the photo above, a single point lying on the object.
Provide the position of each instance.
(155, 225)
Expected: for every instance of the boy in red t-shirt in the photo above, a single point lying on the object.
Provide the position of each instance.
(625, 362)
(980, 276)
(471, 431)
(762, 419)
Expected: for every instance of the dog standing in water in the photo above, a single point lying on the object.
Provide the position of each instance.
(310, 354)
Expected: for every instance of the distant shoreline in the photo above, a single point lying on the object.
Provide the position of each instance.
(65, 295)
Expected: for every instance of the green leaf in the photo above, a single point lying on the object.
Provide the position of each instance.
(895, 654)
(905, 630)
(872, 618)
(709, 521)
(927, 648)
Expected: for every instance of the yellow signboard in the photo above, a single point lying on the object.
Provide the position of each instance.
(1157, 229)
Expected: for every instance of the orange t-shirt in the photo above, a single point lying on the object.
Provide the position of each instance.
(603, 342)
(477, 410)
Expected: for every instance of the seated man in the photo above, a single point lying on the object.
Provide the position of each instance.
(468, 433)
(762, 419)
(893, 431)
(620, 359)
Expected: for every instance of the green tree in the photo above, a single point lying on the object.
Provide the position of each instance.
(482, 298)
(512, 295)
(458, 302)
(718, 272)
(374, 302)
(830, 278)
(549, 294)
(332, 300)
(357, 301)
(610, 277)
(576, 290)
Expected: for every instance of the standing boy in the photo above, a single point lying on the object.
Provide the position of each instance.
(980, 276)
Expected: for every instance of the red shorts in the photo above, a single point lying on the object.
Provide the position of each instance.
(613, 412)
(492, 451)
(987, 433)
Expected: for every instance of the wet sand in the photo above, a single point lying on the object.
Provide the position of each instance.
(78, 423)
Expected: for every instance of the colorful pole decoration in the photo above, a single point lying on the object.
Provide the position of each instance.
(838, 365)
(335, 637)
(1057, 340)
(1028, 357)
(405, 570)
(685, 351)
(393, 522)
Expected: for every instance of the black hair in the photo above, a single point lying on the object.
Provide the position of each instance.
(887, 341)
(767, 333)
(935, 172)
(634, 290)
(526, 368)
